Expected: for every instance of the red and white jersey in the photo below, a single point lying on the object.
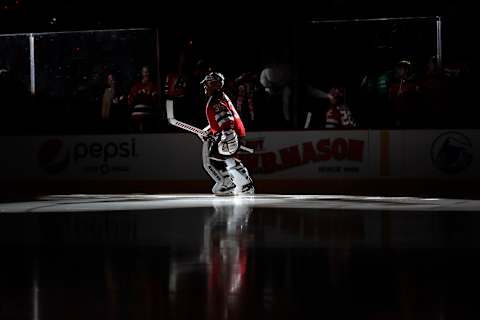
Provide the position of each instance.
(339, 117)
(142, 93)
(221, 115)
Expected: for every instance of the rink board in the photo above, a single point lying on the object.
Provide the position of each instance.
(344, 159)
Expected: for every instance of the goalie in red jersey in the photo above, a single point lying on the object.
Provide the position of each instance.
(227, 132)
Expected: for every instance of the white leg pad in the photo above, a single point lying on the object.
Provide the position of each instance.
(207, 164)
(222, 178)
(239, 174)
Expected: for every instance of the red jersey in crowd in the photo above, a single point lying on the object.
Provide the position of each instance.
(221, 115)
(176, 85)
(143, 93)
(339, 117)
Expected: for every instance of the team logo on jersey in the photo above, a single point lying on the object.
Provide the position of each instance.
(53, 156)
(219, 108)
(452, 152)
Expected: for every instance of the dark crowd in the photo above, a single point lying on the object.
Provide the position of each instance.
(108, 82)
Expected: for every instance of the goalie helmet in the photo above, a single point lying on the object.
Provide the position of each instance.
(214, 80)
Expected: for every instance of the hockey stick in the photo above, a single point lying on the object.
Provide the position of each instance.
(187, 127)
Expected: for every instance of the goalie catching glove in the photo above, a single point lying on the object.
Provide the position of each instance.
(228, 143)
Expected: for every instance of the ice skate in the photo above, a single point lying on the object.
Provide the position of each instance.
(224, 188)
(247, 189)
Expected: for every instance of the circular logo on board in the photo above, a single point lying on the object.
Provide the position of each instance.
(452, 152)
(53, 156)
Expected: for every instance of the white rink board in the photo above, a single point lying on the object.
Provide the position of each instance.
(435, 153)
(178, 156)
(294, 155)
(313, 154)
(131, 157)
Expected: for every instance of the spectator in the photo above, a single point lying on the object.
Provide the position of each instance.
(176, 88)
(108, 98)
(276, 79)
(433, 88)
(176, 85)
(143, 92)
(338, 115)
(461, 91)
(374, 90)
(111, 103)
(195, 95)
(142, 98)
(231, 89)
(247, 97)
(316, 107)
(403, 97)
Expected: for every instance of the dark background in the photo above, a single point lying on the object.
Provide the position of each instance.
(32, 15)
(37, 16)
(251, 33)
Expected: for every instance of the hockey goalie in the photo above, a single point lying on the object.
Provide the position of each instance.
(226, 134)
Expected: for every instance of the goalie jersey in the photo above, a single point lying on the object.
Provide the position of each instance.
(221, 115)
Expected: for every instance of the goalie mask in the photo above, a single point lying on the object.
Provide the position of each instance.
(214, 81)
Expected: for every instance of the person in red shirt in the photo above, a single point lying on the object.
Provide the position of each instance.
(338, 114)
(143, 92)
(142, 99)
(403, 97)
(227, 132)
